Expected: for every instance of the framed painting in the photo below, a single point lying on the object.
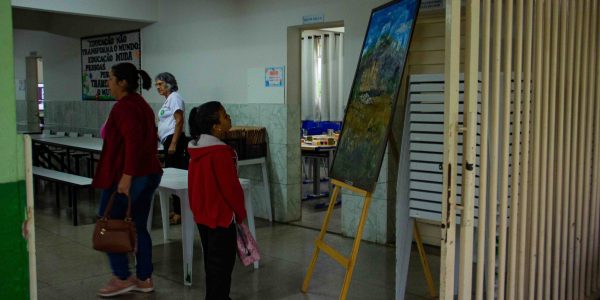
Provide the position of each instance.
(374, 94)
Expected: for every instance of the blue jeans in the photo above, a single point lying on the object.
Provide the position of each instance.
(141, 192)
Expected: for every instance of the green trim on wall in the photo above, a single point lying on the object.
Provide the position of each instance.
(11, 149)
(14, 257)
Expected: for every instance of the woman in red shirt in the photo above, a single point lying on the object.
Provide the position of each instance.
(129, 167)
(215, 194)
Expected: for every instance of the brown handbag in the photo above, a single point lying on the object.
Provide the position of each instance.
(115, 235)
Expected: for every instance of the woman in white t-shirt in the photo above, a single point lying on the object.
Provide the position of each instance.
(171, 131)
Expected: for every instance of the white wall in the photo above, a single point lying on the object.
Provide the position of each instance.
(136, 10)
(210, 45)
(61, 59)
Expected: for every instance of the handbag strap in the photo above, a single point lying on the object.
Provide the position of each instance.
(110, 204)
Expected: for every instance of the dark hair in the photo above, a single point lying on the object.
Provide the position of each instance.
(169, 80)
(129, 73)
(203, 118)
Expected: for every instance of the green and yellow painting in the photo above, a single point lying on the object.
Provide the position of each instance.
(373, 96)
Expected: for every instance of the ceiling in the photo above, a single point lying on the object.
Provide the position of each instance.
(70, 25)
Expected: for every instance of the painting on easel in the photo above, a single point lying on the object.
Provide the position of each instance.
(374, 93)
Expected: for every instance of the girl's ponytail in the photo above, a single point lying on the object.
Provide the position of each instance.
(194, 130)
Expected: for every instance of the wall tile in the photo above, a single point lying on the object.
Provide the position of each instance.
(294, 124)
(273, 118)
(277, 163)
(79, 116)
(380, 190)
(287, 204)
(91, 118)
(294, 208)
(275, 135)
(376, 223)
(70, 114)
(294, 172)
(249, 115)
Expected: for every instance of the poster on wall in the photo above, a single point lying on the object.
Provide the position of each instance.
(274, 76)
(99, 53)
(374, 94)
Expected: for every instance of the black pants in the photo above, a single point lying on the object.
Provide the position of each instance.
(177, 160)
(219, 246)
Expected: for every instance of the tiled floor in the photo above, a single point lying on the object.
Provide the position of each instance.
(68, 268)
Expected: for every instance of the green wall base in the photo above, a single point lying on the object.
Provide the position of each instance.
(14, 260)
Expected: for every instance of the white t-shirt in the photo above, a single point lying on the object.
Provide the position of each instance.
(166, 119)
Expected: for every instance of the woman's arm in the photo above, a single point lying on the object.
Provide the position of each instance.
(178, 115)
(130, 127)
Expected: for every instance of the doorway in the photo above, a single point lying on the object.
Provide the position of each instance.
(321, 113)
(33, 86)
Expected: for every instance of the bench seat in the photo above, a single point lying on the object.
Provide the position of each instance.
(73, 181)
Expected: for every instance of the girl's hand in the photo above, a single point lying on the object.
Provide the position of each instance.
(124, 185)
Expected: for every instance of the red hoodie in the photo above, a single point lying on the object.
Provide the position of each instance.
(215, 193)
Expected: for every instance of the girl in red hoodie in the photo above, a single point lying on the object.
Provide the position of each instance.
(215, 195)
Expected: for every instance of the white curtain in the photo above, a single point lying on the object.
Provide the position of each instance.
(322, 63)
(332, 102)
(309, 103)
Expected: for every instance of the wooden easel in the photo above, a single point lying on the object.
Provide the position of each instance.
(347, 262)
(424, 261)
